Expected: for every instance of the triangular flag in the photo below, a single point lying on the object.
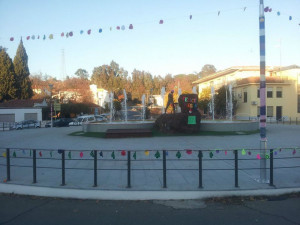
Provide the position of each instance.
(101, 154)
(118, 27)
(191, 17)
(60, 151)
(71, 34)
(276, 153)
(100, 30)
(28, 37)
(123, 152)
(69, 155)
(38, 37)
(62, 34)
(161, 22)
(113, 155)
(294, 152)
(249, 153)
(11, 39)
(258, 156)
(92, 154)
(178, 155)
(189, 151)
(245, 8)
(89, 31)
(290, 18)
(225, 152)
(4, 154)
(40, 153)
(157, 154)
(211, 154)
(44, 38)
(51, 36)
(32, 37)
(146, 152)
(134, 155)
(243, 151)
(67, 35)
(14, 154)
(81, 154)
(278, 13)
(130, 26)
(266, 9)
(267, 156)
(81, 32)
(270, 9)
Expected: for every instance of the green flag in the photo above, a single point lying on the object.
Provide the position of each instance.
(14, 154)
(69, 154)
(134, 155)
(113, 155)
(92, 154)
(178, 155)
(157, 155)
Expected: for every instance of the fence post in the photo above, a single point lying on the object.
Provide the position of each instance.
(95, 168)
(200, 168)
(271, 167)
(34, 165)
(128, 170)
(236, 169)
(62, 167)
(7, 165)
(164, 169)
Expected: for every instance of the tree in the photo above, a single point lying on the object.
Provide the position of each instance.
(82, 74)
(220, 101)
(207, 69)
(24, 90)
(204, 100)
(7, 77)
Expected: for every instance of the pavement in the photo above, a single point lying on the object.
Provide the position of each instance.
(182, 174)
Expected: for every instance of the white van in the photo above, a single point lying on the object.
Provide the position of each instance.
(82, 119)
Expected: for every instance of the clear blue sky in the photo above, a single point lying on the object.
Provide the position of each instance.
(180, 45)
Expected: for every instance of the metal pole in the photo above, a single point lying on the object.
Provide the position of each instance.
(271, 167)
(128, 170)
(34, 165)
(63, 168)
(95, 168)
(200, 169)
(262, 122)
(236, 169)
(7, 165)
(164, 170)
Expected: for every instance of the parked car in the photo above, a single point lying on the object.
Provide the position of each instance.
(27, 124)
(61, 122)
(82, 119)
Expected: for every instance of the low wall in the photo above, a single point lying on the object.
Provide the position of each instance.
(204, 126)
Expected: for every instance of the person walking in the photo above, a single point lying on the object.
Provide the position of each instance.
(170, 101)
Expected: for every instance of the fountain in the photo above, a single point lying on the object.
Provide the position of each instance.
(111, 111)
(162, 94)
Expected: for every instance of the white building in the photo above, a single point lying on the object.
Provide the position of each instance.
(100, 96)
(18, 110)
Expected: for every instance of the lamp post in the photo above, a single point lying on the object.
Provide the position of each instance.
(51, 87)
(262, 118)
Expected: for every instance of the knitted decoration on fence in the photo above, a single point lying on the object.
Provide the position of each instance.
(178, 155)
(113, 155)
(157, 154)
(134, 155)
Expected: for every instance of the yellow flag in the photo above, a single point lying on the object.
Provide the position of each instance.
(4, 154)
(146, 152)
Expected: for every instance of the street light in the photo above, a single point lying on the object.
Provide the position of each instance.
(51, 87)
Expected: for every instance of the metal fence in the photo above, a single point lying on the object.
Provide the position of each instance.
(161, 161)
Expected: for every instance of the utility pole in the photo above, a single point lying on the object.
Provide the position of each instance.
(262, 119)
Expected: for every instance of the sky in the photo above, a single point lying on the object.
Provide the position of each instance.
(179, 45)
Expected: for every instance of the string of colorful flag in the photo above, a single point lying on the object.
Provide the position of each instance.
(123, 27)
(157, 154)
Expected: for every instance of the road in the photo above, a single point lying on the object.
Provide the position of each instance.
(282, 210)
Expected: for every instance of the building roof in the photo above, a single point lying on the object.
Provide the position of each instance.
(242, 68)
(23, 103)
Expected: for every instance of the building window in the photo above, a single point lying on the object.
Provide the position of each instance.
(258, 111)
(269, 92)
(279, 92)
(269, 111)
(258, 93)
(245, 96)
(298, 103)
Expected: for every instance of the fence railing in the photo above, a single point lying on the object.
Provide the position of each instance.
(162, 161)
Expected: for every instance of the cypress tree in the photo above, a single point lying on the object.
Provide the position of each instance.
(7, 77)
(24, 90)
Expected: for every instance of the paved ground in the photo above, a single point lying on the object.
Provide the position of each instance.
(32, 210)
(182, 173)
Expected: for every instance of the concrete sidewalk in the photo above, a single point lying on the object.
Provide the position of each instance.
(182, 174)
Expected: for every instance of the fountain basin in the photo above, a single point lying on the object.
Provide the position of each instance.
(206, 125)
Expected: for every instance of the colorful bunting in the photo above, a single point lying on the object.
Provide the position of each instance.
(243, 152)
(40, 153)
(28, 37)
(11, 39)
(4, 154)
(118, 27)
(81, 32)
(258, 156)
(60, 151)
(217, 151)
(71, 34)
(69, 155)
(290, 18)
(134, 155)
(245, 9)
(225, 152)
(123, 152)
(278, 13)
(276, 153)
(67, 35)
(62, 34)
(89, 31)
(147, 152)
(249, 153)
(101, 154)
(51, 36)
(44, 38)
(32, 37)
(189, 152)
(113, 155)
(100, 30)
(14, 154)
(191, 17)
(267, 156)
(178, 155)
(92, 154)
(211, 155)
(161, 22)
(130, 26)
(219, 13)
(294, 152)
(157, 154)
(81, 154)
(266, 9)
